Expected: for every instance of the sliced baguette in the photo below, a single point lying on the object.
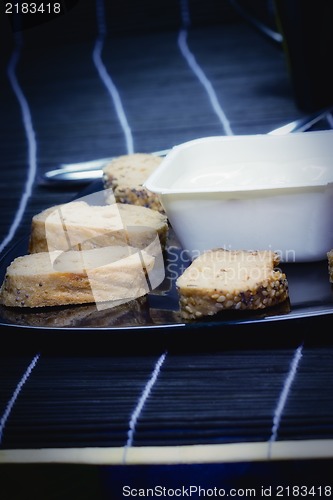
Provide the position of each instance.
(78, 225)
(222, 279)
(126, 174)
(330, 265)
(116, 273)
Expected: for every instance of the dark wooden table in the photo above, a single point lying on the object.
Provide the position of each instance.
(82, 415)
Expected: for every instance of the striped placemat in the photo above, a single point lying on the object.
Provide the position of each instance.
(261, 404)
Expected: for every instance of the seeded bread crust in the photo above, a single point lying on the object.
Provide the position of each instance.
(330, 265)
(126, 174)
(220, 280)
(77, 225)
(60, 278)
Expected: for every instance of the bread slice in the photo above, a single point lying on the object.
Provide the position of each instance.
(222, 279)
(78, 225)
(126, 175)
(330, 265)
(110, 274)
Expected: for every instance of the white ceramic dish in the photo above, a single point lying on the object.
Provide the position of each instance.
(251, 192)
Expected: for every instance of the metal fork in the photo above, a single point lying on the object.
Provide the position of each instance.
(85, 172)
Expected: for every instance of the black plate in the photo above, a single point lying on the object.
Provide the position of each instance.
(311, 297)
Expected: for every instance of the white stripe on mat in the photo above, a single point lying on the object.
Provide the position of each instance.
(15, 395)
(197, 70)
(105, 77)
(139, 407)
(32, 146)
(284, 396)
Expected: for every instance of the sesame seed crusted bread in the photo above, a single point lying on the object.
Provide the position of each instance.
(78, 225)
(126, 174)
(222, 279)
(115, 273)
(330, 265)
